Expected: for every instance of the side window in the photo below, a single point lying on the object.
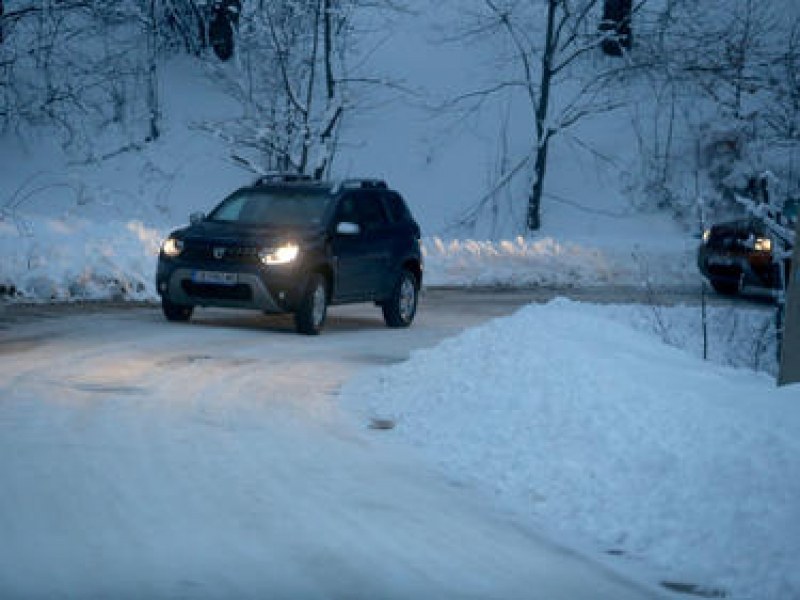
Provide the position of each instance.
(347, 210)
(398, 211)
(370, 211)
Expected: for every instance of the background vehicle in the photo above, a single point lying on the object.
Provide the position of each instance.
(737, 255)
(289, 244)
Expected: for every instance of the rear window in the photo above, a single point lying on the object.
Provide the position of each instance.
(398, 211)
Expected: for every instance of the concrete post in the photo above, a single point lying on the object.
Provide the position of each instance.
(790, 351)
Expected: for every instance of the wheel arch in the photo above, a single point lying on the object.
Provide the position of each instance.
(326, 270)
(413, 265)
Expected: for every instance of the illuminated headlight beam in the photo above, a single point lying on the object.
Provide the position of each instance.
(763, 245)
(279, 256)
(172, 247)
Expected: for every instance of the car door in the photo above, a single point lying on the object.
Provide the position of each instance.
(377, 232)
(360, 258)
(401, 237)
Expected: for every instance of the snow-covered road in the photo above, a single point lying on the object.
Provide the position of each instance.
(144, 459)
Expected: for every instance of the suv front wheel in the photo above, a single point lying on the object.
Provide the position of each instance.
(726, 287)
(175, 312)
(310, 316)
(400, 308)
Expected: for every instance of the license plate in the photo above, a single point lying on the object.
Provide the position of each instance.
(722, 261)
(215, 277)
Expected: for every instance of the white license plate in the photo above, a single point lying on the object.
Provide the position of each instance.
(722, 261)
(216, 277)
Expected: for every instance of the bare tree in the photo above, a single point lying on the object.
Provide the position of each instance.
(723, 77)
(726, 48)
(295, 82)
(290, 83)
(153, 106)
(78, 65)
(548, 40)
(782, 113)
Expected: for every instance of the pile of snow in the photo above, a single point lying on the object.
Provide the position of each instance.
(548, 261)
(604, 433)
(75, 259)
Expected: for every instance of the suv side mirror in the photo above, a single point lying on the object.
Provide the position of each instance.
(196, 217)
(345, 228)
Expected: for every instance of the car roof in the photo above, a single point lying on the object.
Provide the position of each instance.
(284, 181)
(310, 188)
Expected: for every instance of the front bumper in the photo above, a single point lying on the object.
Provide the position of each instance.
(754, 269)
(248, 287)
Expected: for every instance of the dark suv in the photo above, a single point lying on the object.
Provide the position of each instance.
(287, 244)
(737, 256)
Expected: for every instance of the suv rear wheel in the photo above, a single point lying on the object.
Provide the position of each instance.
(400, 308)
(310, 317)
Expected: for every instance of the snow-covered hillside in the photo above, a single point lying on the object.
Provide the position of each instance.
(77, 227)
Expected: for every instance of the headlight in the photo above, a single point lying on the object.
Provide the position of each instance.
(172, 247)
(763, 245)
(280, 255)
(706, 235)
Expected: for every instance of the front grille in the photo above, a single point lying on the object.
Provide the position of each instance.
(214, 291)
(736, 236)
(230, 254)
(728, 241)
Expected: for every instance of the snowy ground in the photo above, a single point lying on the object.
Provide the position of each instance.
(143, 459)
(582, 418)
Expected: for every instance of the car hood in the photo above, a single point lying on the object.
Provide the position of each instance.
(235, 233)
(738, 226)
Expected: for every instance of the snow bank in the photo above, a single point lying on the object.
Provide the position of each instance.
(548, 261)
(602, 432)
(73, 258)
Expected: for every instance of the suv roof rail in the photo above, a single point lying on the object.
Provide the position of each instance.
(278, 177)
(360, 183)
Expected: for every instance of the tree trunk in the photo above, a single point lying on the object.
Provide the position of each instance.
(153, 108)
(535, 201)
(330, 90)
(310, 87)
(330, 82)
(543, 133)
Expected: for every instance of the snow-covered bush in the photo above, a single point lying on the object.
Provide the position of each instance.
(723, 80)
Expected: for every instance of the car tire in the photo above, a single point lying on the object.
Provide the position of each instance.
(400, 308)
(310, 316)
(725, 287)
(175, 312)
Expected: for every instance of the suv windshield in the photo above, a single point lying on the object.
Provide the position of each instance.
(271, 207)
